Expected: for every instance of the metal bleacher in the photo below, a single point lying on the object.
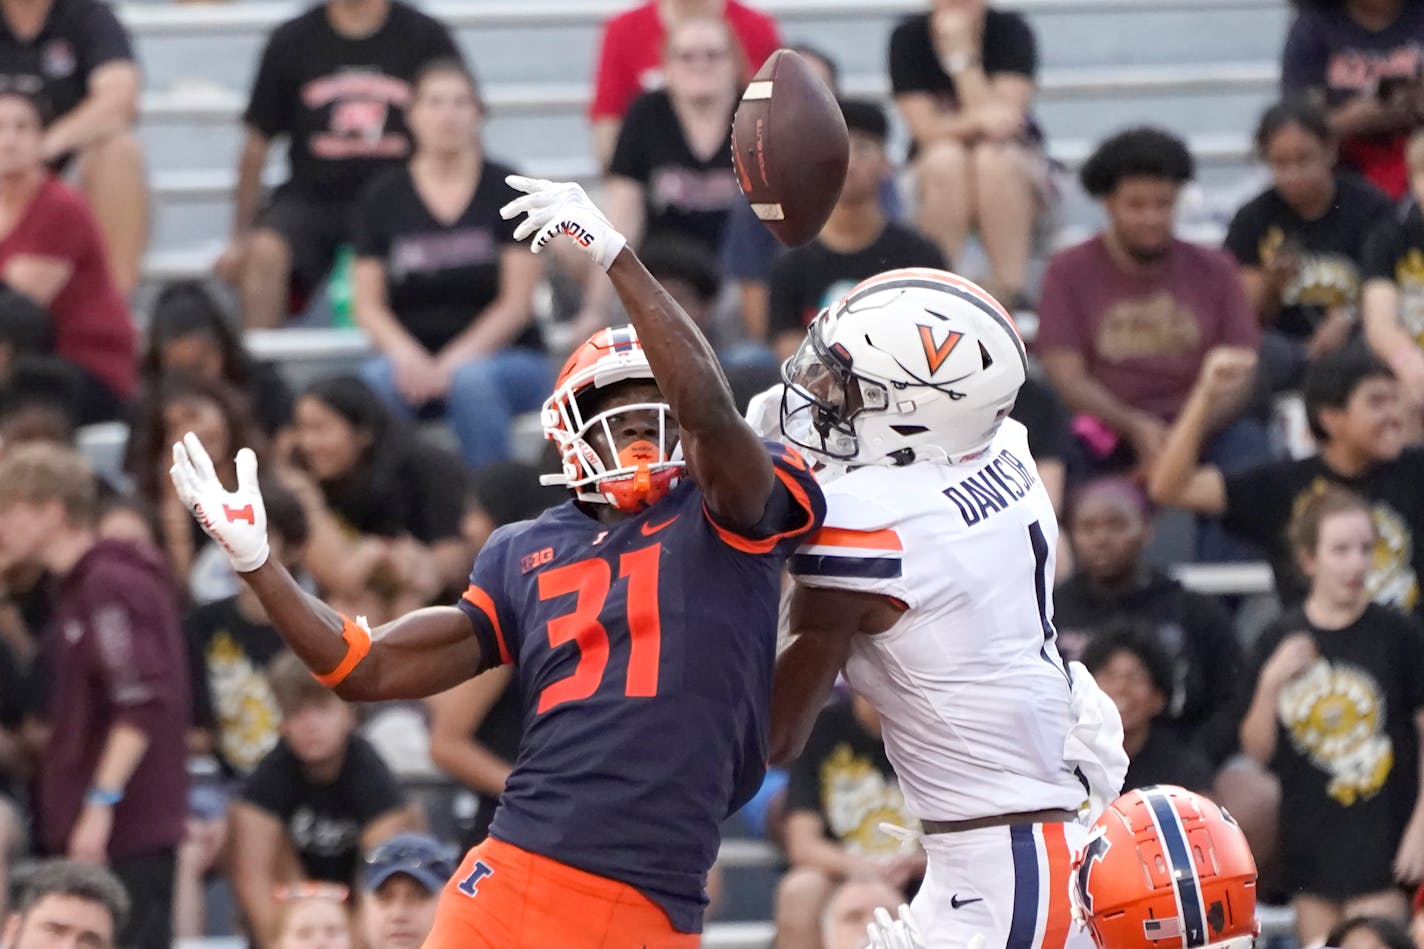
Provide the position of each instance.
(1204, 68)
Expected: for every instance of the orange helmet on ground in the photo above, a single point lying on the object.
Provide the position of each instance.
(1165, 868)
(645, 472)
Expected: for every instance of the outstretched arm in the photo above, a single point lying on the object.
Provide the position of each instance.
(724, 456)
(822, 622)
(420, 654)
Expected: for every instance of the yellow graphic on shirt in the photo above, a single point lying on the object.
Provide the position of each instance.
(1155, 325)
(1322, 280)
(246, 713)
(856, 798)
(1335, 716)
(1391, 580)
(1409, 275)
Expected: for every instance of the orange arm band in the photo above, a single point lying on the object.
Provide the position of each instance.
(358, 644)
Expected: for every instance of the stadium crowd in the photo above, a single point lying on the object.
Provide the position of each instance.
(151, 721)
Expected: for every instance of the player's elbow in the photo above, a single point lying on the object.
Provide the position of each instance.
(361, 685)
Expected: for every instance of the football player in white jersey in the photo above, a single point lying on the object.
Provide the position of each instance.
(929, 586)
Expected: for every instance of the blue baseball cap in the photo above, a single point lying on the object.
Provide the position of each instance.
(419, 856)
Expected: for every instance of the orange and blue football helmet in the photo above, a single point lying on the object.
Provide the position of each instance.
(643, 473)
(1165, 868)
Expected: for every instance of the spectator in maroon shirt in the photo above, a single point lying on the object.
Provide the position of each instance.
(78, 59)
(1127, 316)
(111, 786)
(51, 251)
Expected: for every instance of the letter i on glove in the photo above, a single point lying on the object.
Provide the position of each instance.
(562, 207)
(237, 520)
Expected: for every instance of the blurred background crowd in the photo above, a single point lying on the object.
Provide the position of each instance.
(1227, 406)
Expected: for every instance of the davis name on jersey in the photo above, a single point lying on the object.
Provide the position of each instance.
(974, 698)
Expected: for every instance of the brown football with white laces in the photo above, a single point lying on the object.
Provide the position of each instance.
(790, 148)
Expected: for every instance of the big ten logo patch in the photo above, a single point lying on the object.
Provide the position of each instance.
(537, 559)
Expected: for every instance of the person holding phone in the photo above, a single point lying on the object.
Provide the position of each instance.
(1363, 60)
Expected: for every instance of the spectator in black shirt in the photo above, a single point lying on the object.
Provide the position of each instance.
(384, 505)
(1352, 402)
(335, 81)
(1299, 244)
(1336, 712)
(963, 77)
(671, 171)
(441, 287)
(840, 789)
(1392, 300)
(1136, 673)
(76, 58)
(315, 803)
(1108, 527)
(231, 642)
(858, 240)
(188, 331)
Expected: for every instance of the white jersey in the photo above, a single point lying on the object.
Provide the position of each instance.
(973, 696)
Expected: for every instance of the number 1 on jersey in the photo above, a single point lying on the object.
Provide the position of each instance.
(592, 579)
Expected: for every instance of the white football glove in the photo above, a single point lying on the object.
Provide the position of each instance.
(237, 520)
(887, 933)
(554, 208)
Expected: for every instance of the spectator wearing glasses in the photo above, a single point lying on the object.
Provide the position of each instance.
(671, 171)
(630, 60)
(404, 877)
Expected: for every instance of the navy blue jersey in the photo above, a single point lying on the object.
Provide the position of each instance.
(644, 651)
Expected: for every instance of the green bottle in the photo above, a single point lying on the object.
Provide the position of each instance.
(338, 287)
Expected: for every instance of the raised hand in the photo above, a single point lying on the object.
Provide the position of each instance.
(554, 208)
(236, 520)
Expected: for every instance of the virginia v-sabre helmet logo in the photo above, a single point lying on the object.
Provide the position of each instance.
(911, 365)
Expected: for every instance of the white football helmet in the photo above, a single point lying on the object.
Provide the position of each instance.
(910, 365)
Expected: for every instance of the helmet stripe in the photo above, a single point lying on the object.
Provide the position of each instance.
(1185, 880)
(923, 278)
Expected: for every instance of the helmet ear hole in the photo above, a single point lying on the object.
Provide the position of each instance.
(984, 355)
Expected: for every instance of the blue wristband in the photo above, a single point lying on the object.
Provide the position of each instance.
(102, 797)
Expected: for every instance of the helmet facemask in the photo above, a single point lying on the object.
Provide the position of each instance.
(638, 475)
(823, 396)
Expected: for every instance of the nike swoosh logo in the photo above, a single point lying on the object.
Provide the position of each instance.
(649, 529)
(955, 902)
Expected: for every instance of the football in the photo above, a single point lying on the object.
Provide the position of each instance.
(790, 148)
